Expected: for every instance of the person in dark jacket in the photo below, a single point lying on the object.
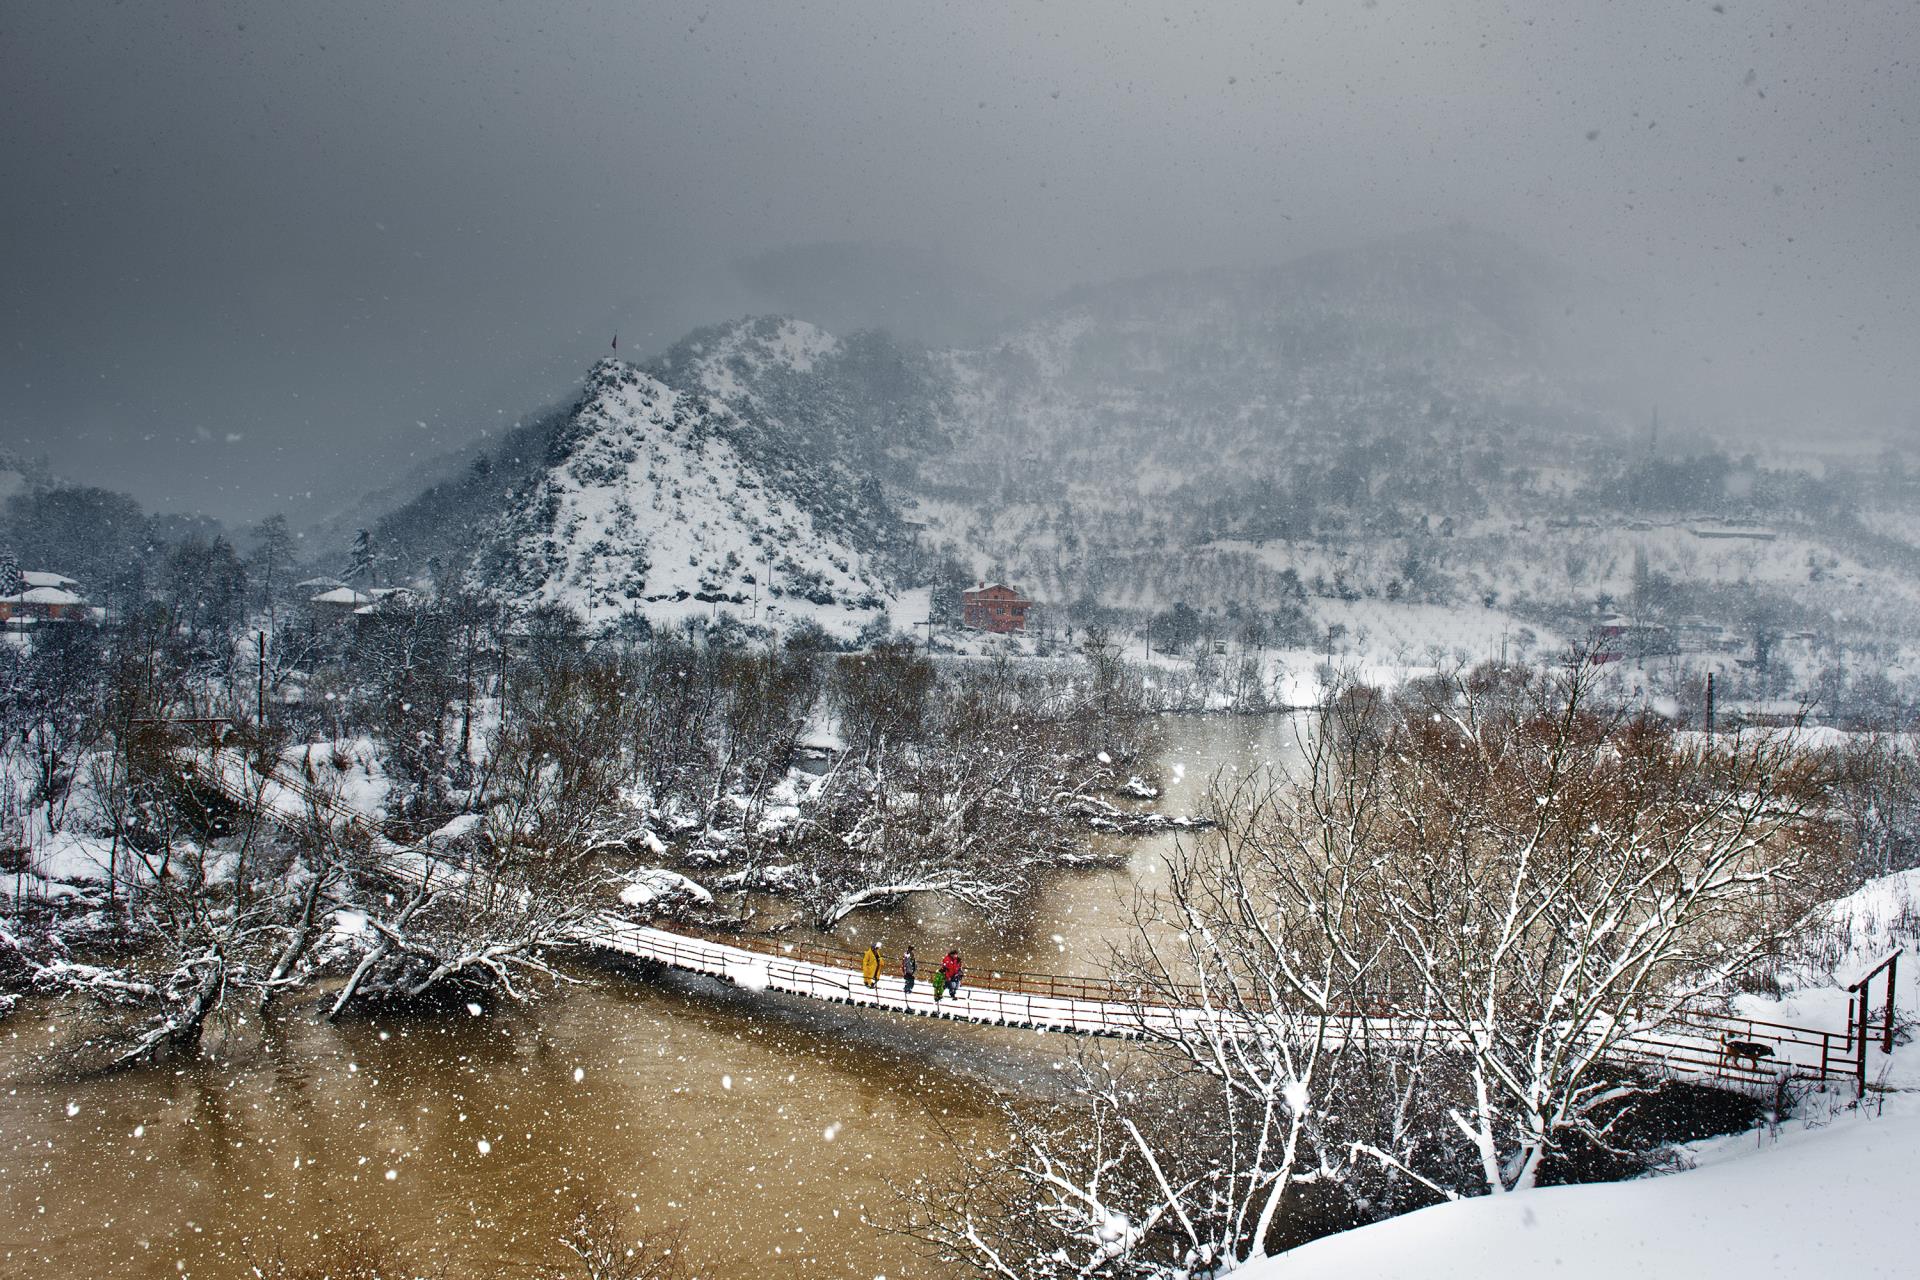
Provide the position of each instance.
(907, 970)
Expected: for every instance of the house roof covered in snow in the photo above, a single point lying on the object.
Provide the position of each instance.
(342, 596)
(44, 595)
(36, 578)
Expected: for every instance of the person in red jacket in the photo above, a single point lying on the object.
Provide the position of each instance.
(953, 971)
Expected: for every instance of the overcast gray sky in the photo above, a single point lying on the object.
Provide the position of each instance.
(253, 251)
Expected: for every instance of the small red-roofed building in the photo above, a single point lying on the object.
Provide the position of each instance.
(997, 607)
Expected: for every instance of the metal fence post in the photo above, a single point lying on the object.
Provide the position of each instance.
(1886, 1036)
(1860, 1047)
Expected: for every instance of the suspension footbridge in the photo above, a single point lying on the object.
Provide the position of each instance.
(1703, 1044)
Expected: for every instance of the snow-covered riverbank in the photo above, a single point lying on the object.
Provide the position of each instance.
(1833, 1200)
(1829, 1191)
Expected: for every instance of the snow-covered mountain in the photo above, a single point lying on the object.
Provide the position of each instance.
(653, 503)
(1143, 415)
(1417, 422)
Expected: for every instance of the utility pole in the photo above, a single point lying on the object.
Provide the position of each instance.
(928, 624)
(503, 678)
(262, 703)
(1709, 708)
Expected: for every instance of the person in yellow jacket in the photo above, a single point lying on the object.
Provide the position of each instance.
(870, 965)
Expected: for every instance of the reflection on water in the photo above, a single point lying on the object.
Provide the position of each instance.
(764, 1128)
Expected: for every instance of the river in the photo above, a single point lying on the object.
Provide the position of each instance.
(1079, 915)
(762, 1130)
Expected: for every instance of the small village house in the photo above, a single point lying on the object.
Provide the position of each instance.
(338, 604)
(1616, 637)
(998, 608)
(45, 597)
(347, 606)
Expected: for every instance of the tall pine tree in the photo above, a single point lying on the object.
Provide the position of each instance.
(360, 571)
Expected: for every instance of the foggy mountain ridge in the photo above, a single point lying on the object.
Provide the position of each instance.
(1383, 422)
(1197, 371)
(1388, 422)
(1436, 307)
(1483, 277)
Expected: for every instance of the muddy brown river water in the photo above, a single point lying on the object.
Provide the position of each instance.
(764, 1130)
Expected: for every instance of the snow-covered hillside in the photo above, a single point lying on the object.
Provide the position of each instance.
(1833, 1201)
(649, 509)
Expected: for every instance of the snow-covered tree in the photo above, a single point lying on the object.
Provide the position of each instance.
(271, 561)
(1275, 1098)
(1415, 972)
(959, 784)
(1556, 878)
(360, 568)
(208, 904)
(519, 889)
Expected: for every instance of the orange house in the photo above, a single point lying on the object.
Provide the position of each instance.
(998, 608)
(44, 604)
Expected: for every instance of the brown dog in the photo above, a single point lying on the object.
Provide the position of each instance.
(1749, 1052)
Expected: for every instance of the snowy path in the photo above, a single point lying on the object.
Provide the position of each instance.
(1045, 1002)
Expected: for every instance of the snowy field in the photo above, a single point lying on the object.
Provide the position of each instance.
(1384, 632)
